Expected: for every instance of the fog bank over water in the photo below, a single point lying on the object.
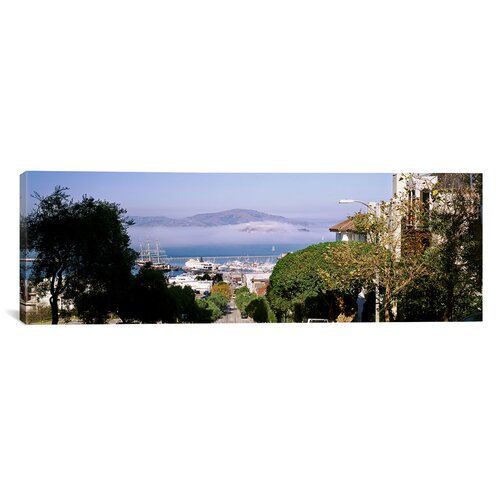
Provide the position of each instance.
(248, 234)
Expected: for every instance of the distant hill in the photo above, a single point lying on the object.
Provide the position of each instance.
(224, 218)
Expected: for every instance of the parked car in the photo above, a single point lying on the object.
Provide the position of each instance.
(317, 320)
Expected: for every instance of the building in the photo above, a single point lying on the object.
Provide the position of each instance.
(257, 282)
(233, 278)
(203, 287)
(346, 232)
(412, 194)
(400, 225)
(32, 301)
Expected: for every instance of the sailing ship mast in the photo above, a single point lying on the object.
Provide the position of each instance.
(152, 257)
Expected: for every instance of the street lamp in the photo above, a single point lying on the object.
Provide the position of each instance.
(377, 278)
(354, 201)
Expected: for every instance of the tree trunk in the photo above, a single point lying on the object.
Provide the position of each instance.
(387, 314)
(331, 309)
(54, 309)
(55, 291)
(386, 304)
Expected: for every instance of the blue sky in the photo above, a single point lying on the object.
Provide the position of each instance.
(304, 195)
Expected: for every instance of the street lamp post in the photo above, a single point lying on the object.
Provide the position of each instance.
(377, 277)
(354, 201)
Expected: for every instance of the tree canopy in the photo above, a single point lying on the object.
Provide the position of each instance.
(456, 220)
(432, 266)
(222, 288)
(398, 257)
(82, 252)
(256, 307)
(243, 297)
(151, 300)
(318, 282)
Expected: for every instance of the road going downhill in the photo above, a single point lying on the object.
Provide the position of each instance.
(233, 315)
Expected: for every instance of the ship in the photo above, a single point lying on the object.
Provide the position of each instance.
(200, 265)
(152, 256)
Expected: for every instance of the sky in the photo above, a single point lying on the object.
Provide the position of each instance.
(308, 196)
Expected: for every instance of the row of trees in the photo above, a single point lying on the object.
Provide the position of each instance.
(423, 257)
(150, 300)
(252, 305)
(218, 299)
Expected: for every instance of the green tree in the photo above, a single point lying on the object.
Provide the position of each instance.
(256, 307)
(400, 234)
(242, 298)
(428, 259)
(209, 312)
(186, 305)
(219, 301)
(456, 221)
(222, 288)
(397, 261)
(311, 283)
(149, 299)
(423, 300)
(259, 310)
(218, 278)
(82, 252)
(203, 277)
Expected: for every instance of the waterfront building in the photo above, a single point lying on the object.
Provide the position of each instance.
(203, 287)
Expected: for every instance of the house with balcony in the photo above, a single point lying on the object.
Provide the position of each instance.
(413, 194)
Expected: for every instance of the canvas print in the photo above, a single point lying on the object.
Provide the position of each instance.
(148, 248)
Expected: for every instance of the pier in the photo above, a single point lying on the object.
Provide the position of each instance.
(228, 257)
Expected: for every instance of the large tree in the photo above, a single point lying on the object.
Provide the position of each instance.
(82, 252)
(151, 300)
(398, 258)
(429, 253)
(148, 299)
(260, 311)
(222, 288)
(456, 221)
(318, 281)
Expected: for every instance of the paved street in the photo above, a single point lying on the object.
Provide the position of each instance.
(233, 315)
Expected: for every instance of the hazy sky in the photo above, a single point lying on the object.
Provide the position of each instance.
(307, 196)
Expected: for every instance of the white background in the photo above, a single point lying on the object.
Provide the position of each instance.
(321, 411)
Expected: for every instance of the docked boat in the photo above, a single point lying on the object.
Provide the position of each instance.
(248, 265)
(153, 257)
(200, 265)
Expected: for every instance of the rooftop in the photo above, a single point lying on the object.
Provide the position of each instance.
(343, 227)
